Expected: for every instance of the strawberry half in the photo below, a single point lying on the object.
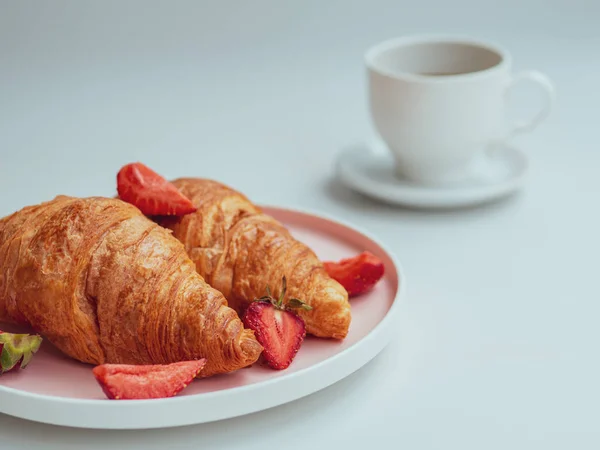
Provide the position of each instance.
(151, 193)
(279, 330)
(132, 382)
(358, 274)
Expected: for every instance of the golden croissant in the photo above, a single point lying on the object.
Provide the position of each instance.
(105, 284)
(240, 251)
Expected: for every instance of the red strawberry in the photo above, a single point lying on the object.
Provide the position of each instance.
(279, 330)
(358, 274)
(151, 193)
(131, 382)
(16, 350)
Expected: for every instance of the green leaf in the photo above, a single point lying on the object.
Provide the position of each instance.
(297, 303)
(17, 347)
(9, 357)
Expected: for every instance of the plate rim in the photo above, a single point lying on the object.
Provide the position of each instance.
(127, 405)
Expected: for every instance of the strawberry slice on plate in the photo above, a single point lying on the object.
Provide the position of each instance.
(151, 193)
(358, 274)
(278, 329)
(137, 382)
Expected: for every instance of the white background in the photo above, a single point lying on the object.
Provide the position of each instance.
(498, 341)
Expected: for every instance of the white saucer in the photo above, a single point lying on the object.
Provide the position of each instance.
(370, 170)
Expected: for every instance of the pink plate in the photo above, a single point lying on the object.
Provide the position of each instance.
(55, 389)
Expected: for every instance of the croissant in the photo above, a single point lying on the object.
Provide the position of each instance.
(105, 284)
(240, 251)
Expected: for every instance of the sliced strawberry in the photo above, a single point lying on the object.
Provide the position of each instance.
(279, 330)
(131, 382)
(358, 274)
(151, 193)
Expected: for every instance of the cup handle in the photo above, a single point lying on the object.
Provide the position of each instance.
(548, 87)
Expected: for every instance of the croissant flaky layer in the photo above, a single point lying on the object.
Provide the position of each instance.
(105, 284)
(239, 251)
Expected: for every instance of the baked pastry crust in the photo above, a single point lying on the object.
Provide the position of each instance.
(105, 284)
(239, 250)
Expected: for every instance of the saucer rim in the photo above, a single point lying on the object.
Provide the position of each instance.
(408, 193)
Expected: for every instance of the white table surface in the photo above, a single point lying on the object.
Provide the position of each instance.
(498, 342)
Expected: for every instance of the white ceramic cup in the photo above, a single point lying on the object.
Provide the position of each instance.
(440, 101)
